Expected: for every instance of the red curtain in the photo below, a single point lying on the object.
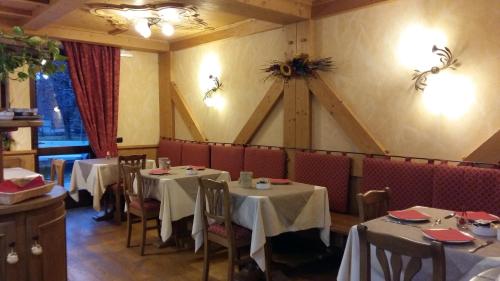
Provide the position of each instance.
(95, 74)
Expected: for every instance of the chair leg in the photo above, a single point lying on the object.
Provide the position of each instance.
(230, 263)
(158, 227)
(144, 223)
(268, 255)
(129, 229)
(118, 209)
(206, 257)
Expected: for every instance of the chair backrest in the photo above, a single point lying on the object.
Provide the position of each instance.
(216, 204)
(373, 204)
(399, 247)
(57, 168)
(133, 160)
(131, 174)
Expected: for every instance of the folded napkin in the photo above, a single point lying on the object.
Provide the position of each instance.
(474, 216)
(279, 181)
(9, 186)
(158, 171)
(408, 215)
(447, 235)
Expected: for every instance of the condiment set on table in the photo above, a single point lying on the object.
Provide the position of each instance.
(246, 181)
(479, 223)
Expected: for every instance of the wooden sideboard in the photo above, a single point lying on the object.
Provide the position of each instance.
(36, 231)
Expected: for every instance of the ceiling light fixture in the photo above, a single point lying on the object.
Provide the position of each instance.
(167, 17)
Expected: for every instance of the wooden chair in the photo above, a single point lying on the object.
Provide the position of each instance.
(373, 204)
(399, 247)
(57, 169)
(139, 209)
(117, 188)
(216, 206)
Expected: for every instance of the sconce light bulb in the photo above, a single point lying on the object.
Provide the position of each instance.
(167, 29)
(142, 27)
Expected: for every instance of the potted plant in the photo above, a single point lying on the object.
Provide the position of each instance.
(34, 53)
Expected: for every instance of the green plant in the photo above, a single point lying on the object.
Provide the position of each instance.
(36, 54)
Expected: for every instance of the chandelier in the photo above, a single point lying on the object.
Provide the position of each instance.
(166, 17)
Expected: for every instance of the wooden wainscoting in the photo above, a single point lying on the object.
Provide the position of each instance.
(21, 158)
(149, 150)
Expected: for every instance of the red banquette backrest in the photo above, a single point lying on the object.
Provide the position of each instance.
(171, 149)
(227, 158)
(196, 154)
(264, 162)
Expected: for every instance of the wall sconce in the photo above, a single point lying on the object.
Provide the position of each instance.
(210, 98)
(446, 58)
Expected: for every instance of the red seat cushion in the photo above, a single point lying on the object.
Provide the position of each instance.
(172, 150)
(467, 188)
(149, 204)
(240, 233)
(195, 154)
(410, 183)
(227, 158)
(268, 163)
(330, 171)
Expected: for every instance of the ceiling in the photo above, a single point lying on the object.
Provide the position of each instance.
(19, 12)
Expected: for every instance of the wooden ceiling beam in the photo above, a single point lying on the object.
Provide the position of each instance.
(50, 14)
(331, 7)
(31, 2)
(276, 11)
(244, 28)
(487, 152)
(7, 11)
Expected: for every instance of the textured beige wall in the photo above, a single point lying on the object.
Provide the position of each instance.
(138, 113)
(369, 78)
(19, 96)
(240, 61)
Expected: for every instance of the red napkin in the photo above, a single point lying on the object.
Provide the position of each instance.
(158, 172)
(36, 182)
(279, 181)
(409, 215)
(474, 216)
(448, 235)
(9, 187)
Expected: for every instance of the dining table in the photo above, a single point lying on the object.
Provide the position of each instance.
(19, 173)
(95, 175)
(177, 191)
(461, 265)
(269, 212)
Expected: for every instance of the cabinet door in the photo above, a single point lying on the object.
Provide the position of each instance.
(8, 242)
(47, 229)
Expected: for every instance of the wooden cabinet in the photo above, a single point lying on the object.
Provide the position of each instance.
(36, 231)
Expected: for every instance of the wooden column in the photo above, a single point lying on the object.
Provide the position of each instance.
(167, 120)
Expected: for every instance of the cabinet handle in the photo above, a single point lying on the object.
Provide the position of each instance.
(12, 257)
(36, 248)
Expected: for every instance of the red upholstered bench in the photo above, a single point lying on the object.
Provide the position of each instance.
(196, 154)
(269, 163)
(171, 149)
(411, 183)
(474, 189)
(332, 172)
(227, 158)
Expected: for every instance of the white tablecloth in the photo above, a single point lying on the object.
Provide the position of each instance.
(102, 174)
(176, 202)
(460, 265)
(260, 215)
(17, 173)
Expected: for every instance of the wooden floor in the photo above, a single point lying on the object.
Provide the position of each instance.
(96, 252)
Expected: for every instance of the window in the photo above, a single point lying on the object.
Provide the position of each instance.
(62, 135)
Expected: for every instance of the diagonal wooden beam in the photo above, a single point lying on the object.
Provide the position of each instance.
(323, 8)
(244, 28)
(18, 13)
(186, 114)
(261, 112)
(345, 117)
(277, 11)
(50, 14)
(488, 152)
